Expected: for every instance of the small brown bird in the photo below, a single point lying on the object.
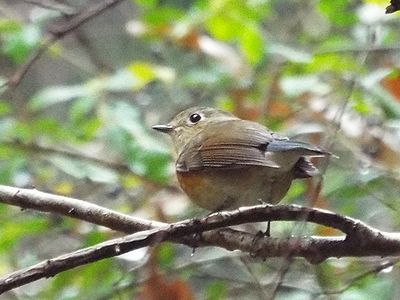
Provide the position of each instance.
(225, 162)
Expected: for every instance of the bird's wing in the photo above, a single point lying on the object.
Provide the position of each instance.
(238, 144)
(234, 144)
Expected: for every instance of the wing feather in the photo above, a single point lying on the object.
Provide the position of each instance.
(236, 144)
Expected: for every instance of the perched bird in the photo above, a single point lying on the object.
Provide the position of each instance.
(225, 162)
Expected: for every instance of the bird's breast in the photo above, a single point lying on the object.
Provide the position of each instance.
(216, 189)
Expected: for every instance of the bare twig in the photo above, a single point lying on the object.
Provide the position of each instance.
(16, 78)
(41, 150)
(353, 281)
(52, 5)
(57, 32)
(280, 276)
(45, 150)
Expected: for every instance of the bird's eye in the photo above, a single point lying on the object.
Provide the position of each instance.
(194, 118)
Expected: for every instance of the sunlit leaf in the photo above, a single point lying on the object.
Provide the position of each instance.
(9, 25)
(19, 43)
(162, 15)
(338, 11)
(252, 44)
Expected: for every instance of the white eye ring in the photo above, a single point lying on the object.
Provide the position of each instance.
(194, 118)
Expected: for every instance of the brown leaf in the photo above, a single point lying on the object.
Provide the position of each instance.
(392, 85)
(158, 287)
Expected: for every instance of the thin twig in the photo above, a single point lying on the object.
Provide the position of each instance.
(57, 32)
(353, 281)
(280, 276)
(18, 75)
(34, 148)
(59, 7)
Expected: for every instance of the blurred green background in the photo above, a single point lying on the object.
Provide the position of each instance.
(79, 124)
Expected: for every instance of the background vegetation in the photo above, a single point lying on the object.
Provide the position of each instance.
(78, 124)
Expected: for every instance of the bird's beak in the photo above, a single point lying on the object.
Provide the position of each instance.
(167, 128)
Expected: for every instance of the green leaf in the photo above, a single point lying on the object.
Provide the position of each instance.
(81, 108)
(334, 63)
(359, 104)
(216, 291)
(12, 162)
(149, 4)
(339, 12)
(223, 28)
(163, 15)
(144, 73)
(9, 25)
(28, 226)
(374, 286)
(252, 44)
(18, 44)
(145, 155)
(56, 94)
(5, 108)
(165, 255)
(86, 129)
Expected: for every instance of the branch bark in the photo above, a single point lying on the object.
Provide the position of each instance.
(360, 239)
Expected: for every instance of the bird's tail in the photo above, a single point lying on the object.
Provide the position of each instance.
(304, 148)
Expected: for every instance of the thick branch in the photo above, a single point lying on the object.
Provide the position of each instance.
(74, 208)
(361, 240)
(314, 248)
(31, 198)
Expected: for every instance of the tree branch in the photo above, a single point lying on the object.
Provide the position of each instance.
(57, 32)
(46, 150)
(361, 240)
(74, 208)
(53, 5)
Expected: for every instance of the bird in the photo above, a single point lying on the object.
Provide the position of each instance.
(224, 162)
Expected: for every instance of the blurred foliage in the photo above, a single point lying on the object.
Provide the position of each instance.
(79, 124)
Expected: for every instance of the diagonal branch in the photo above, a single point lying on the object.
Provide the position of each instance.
(57, 32)
(34, 148)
